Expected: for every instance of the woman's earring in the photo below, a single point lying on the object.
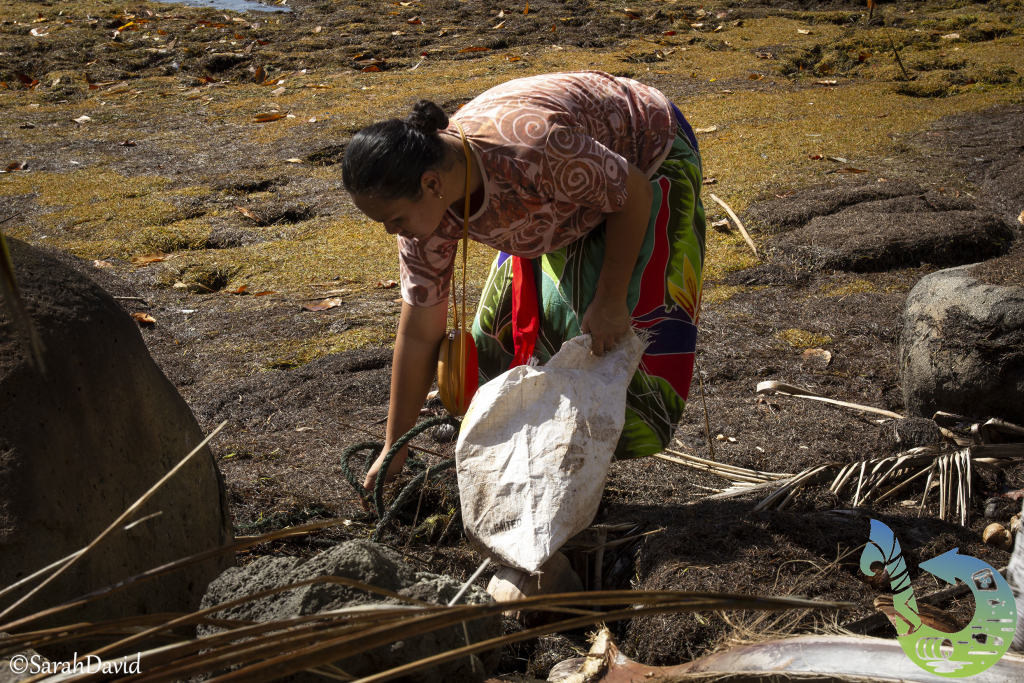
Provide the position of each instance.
(439, 195)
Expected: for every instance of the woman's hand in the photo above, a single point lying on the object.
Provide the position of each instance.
(396, 466)
(606, 320)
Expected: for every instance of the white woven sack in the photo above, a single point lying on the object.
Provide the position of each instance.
(535, 447)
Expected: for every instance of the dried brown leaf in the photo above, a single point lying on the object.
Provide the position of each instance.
(144, 259)
(144, 318)
(267, 118)
(324, 305)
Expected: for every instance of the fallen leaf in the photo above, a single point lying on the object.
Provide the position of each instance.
(755, 77)
(554, 28)
(277, 92)
(863, 56)
(17, 166)
(824, 82)
(722, 226)
(371, 69)
(267, 118)
(240, 290)
(669, 33)
(324, 305)
(527, 10)
(841, 160)
(261, 75)
(816, 157)
(39, 32)
(129, 143)
(1020, 218)
(83, 119)
(803, 32)
(709, 129)
(951, 36)
(512, 58)
(161, 32)
(170, 45)
(102, 264)
(249, 214)
(264, 293)
(40, 20)
(726, 92)
(709, 181)
(318, 29)
(414, 21)
(144, 318)
(820, 356)
(499, 25)
(294, 160)
(149, 258)
(850, 169)
(386, 284)
(881, 116)
(25, 80)
(477, 48)
(398, 300)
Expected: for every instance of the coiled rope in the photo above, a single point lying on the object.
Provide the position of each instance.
(385, 513)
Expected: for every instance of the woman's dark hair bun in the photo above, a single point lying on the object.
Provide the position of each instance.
(427, 117)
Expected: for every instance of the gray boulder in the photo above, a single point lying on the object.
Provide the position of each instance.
(369, 563)
(962, 347)
(84, 441)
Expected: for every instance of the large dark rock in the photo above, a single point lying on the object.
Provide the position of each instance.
(369, 563)
(81, 443)
(962, 347)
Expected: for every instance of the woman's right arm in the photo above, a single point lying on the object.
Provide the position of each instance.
(420, 331)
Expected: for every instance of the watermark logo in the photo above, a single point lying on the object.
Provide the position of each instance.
(967, 652)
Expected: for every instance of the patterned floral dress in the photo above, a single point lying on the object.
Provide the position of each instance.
(553, 151)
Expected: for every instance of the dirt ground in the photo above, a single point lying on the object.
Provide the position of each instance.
(141, 141)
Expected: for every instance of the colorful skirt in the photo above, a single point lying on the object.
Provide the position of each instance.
(664, 299)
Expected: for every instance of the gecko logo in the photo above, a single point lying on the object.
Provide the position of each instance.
(967, 652)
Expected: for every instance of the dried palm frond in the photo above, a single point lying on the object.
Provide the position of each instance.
(269, 650)
(881, 478)
(16, 306)
(774, 387)
(743, 480)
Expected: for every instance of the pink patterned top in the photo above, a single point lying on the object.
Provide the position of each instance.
(553, 152)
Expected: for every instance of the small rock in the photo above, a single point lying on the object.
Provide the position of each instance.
(1000, 509)
(444, 433)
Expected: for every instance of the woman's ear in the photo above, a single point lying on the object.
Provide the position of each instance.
(432, 184)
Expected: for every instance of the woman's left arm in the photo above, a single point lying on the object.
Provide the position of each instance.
(607, 318)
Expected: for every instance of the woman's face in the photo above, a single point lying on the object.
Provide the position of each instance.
(406, 217)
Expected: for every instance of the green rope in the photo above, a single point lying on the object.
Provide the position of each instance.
(405, 495)
(386, 513)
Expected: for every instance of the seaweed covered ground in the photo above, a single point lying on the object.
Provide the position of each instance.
(190, 156)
